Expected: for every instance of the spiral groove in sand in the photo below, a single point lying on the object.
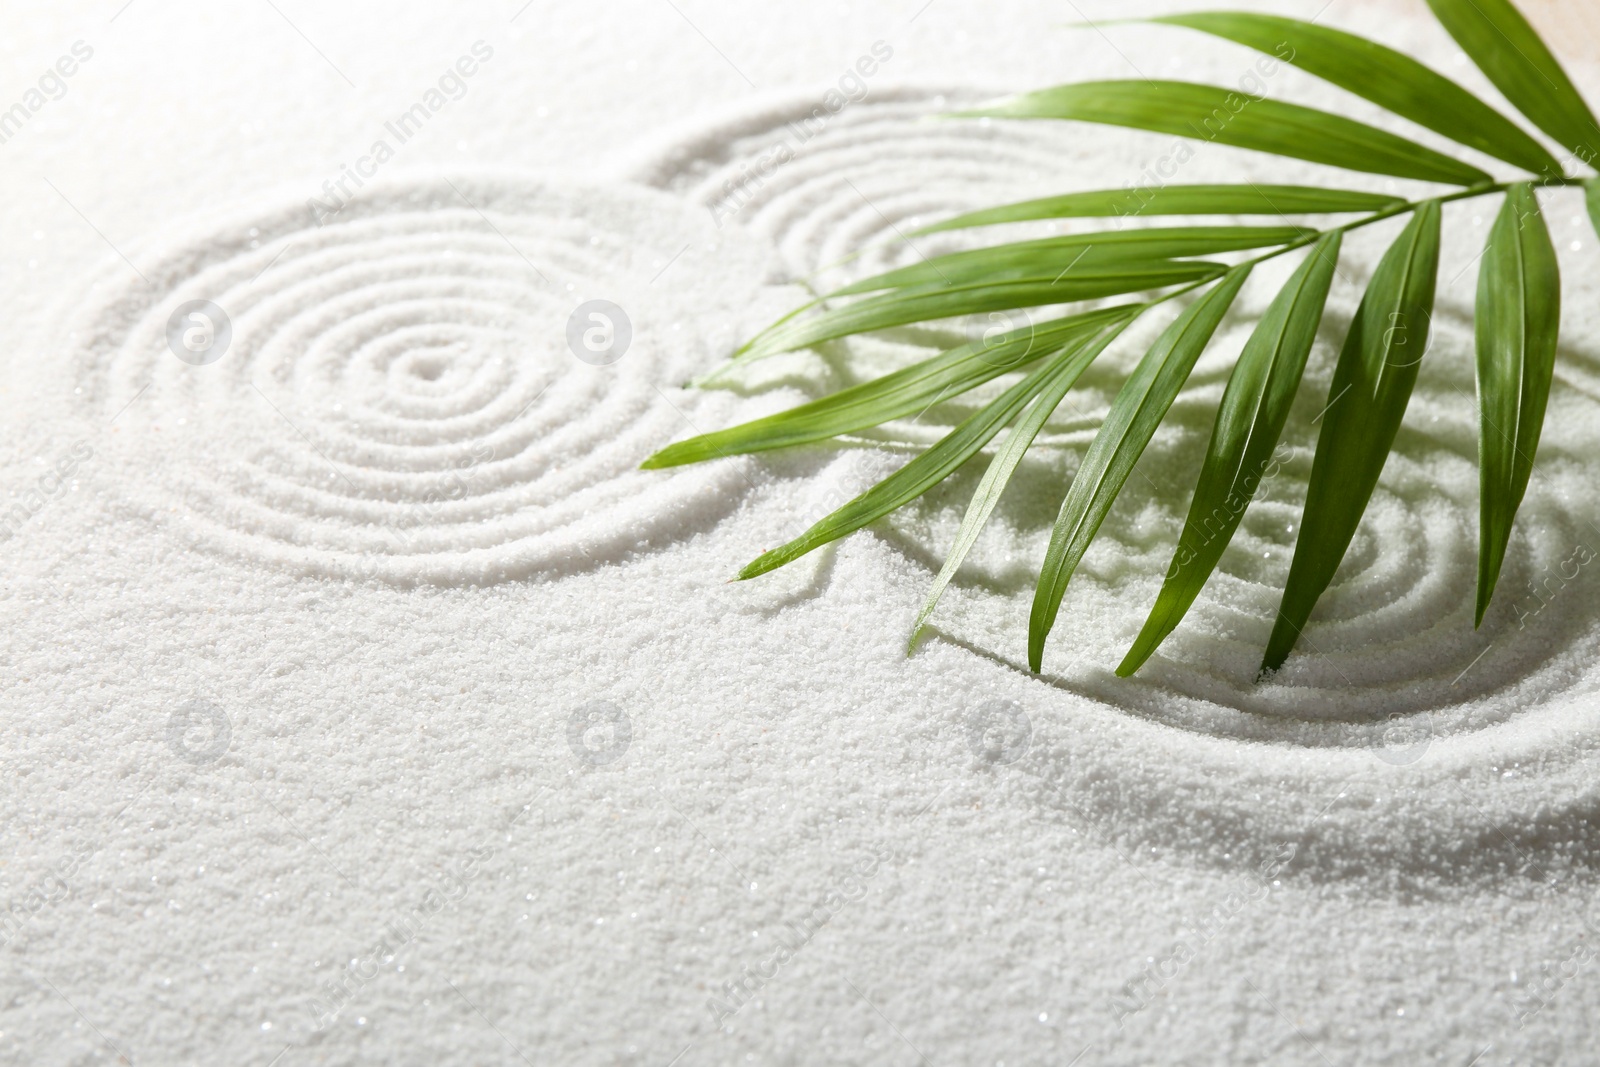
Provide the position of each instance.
(399, 399)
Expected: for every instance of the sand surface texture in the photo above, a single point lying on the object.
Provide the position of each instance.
(365, 703)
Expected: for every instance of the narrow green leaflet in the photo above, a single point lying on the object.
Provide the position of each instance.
(1519, 317)
(904, 392)
(1371, 387)
(1074, 253)
(1249, 422)
(1005, 462)
(1210, 113)
(1135, 413)
(918, 476)
(1510, 52)
(1055, 270)
(1176, 200)
(929, 302)
(1388, 78)
(1591, 195)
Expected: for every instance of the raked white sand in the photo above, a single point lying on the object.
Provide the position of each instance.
(365, 704)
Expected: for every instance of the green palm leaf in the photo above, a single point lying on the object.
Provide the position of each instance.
(1052, 257)
(1005, 462)
(921, 474)
(1135, 413)
(1388, 78)
(907, 391)
(1371, 387)
(1519, 317)
(1175, 200)
(1507, 49)
(1249, 422)
(926, 303)
(1210, 113)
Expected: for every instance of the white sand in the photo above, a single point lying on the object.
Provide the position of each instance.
(366, 705)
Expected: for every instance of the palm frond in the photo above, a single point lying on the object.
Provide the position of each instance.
(1392, 80)
(1250, 419)
(1281, 200)
(907, 391)
(1226, 116)
(1065, 284)
(1518, 317)
(1004, 464)
(922, 473)
(1135, 413)
(1074, 253)
(1371, 387)
(1518, 312)
(1507, 49)
(1055, 270)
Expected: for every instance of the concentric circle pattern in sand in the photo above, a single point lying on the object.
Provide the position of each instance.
(1398, 737)
(1394, 633)
(1391, 687)
(399, 398)
(1391, 672)
(823, 187)
(838, 195)
(1397, 625)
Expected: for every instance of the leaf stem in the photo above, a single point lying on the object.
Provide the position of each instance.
(1472, 193)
